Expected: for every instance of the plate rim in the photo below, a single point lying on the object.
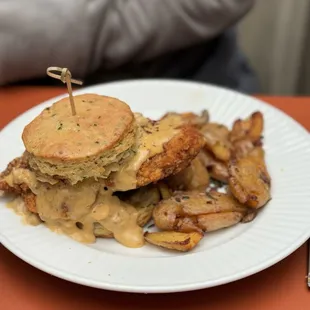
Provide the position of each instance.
(161, 289)
(153, 289)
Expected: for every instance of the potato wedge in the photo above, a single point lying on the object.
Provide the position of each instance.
(218, 170)
(215, 221)
(164, 190)
(250, 128)
(194, 177)
(221, 151)
(249, 181)
(183, 211)
(174, 240)
(144, 200)
(196, 120)
(250, 216)
(144, 215)
(217, 140)
(190, 118)
(242, 148)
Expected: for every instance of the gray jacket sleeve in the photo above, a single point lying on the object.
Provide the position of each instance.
(84, 35)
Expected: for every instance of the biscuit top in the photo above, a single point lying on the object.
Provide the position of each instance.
(100, 123)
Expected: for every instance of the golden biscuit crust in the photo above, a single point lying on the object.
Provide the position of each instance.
(80, 146)
(100, 123)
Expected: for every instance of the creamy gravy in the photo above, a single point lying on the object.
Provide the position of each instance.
(150, 140)
(73, 209)
(18, 206)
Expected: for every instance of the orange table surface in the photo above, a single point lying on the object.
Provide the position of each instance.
(282, 286)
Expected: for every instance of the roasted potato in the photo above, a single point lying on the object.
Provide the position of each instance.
(250, 216)
(242, 148)
(249, 129)
(194, 177)
(258, 155)
(206, 158)
(174, 240)
(215, 221)
(188, 211)
(217, 140)
(191, 118)
(218, 170)
(144, 215)
(249, 180)
(143, 199)
(164, 190)
(196, 120)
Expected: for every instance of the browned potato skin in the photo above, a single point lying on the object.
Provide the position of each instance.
(250, 128)
(174, 240)
(144, 200)
(246, 135)
(250, 216)
(194, 177)
(216, 221)
(144, 215)
(249, 180)
(187, 212)
(218, 170)
(242, 148)
(191, 118)
(164, 190)
(196, 120)
(258, 155)
(206, 158)
(217, 140)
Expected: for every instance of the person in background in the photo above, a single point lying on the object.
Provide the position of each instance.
(107, 40)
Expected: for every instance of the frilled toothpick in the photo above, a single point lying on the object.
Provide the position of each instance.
(64, 75)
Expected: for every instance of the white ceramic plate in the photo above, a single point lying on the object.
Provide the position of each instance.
(223, 256)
